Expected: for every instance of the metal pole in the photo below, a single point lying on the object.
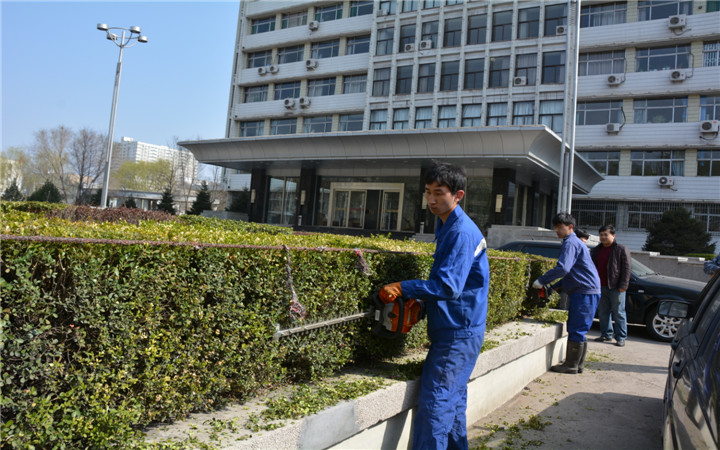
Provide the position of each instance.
(561, 206)
(111, 131)
(573, 108)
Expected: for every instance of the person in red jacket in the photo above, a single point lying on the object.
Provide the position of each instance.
(613, 264)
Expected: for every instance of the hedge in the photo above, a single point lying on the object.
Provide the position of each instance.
(101, 338)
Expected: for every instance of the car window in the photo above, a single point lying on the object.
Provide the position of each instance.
(548, 252)
(707, 316)
(639, 269)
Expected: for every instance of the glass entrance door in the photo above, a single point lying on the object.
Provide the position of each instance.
(369, 206)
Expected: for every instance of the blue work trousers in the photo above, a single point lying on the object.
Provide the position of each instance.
(612, 301)
(440, 419)
(581, 315)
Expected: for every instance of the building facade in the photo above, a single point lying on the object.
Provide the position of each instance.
(336, 108)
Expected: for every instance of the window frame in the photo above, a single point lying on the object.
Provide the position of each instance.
(553, 73)
(289, 123)
(329, 13)
(426, 78)
(289, 20)
(499, 77)
(649, 58)
(314, 121)
(345, 120)
(429, 32)
(477, 76)
(449, 81)
(321, 87)
(381, 85)
(656, 163)
(375, 123)
(258, 93)
(495, 120)
(403, 80)
(286, 54)
(354, 82)
(254, 58)
(643, 106)
(357, 45)
(598, 60)
(446, 120)
(281, 89)
(555, 16)
(478, 32)
(502, 31)
(525, 118)
(655, 9)
(258, 26)
(385, 43)
(555, 118)
(607, 163)
(528, 28)
(247, 125)
(593, 15)
(529, 69)
(401, 119)
(361, 8)
(708, 163)
(710, 107)
(599, 112)
(325, 49)
(423, 122)
(406, 37)
(711, 56)
(474, 120)
(452, 37)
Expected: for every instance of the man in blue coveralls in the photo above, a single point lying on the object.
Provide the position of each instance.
(581, 282)
(455, 298)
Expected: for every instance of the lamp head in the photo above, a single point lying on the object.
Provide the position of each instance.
(102, 27)
(142, 39)
(135, 30)
(111, 36)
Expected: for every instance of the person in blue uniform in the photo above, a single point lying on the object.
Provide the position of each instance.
(580, 280)
(455, 296)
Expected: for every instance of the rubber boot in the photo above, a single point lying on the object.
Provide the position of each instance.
(581, 364)
(572, 358)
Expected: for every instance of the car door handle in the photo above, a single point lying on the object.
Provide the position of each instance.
(676, 369)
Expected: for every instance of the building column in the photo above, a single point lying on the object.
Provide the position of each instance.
(424, 219)
(503, 197)
(306, 197)
(257, 194)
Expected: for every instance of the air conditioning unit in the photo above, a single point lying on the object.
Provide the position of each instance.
(710, 126)
(665, 181)
(614, 80)
(409, 47)
(273, 68)
(677, 22)
(289, 103)
(560, 29)
(426, 44)
(613, 128)
(262, 70)
(382, 12)
(313, 25)
(311, 64)
(304, 102)
(520, 81)
(678, 75)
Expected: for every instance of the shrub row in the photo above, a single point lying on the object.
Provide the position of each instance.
(101, 339)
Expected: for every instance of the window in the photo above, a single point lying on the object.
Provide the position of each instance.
(290, 54)
(551, 114)
(477, 29)
(553, 67)
(426, 77)
(327, 49)
(446, 117)
(388, 5)
(361, 8)
(328, 13)
(320, 124)
(711, 54)
(322, 87)
(378, 119)
(555, 15)
(497, 114)
(403, 83)
(249, 129)
(453, 2)
(607, 163)
(354, 84)
(409, 5)
(430, 32)
(287, 90)
(357, 45)
(502, 26)
(449, 75)
(594, 213)
(381, 82)
(661, 110)
(432, 4)
(259, 59)
(526, 66)
(659, 9)
(384, 44)
(294, 20)
(605, 14)
(281, 199)
(528, 23)
(499, 71)
(663, 58)
(407, 36)
(649, 163)
(401, 119)
(708, 163)
(709, 107)
(523, 113)
(283, 126)
(423, 117)
(601, 63)
(351, 122)
(599, 113)
(256, 94)
(474, 72)
(472, 115)
(262, 25)
(453, 32)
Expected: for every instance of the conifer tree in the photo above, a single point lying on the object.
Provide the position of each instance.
(48, 192)
(677, 233)
(12, 193)
(202, 201)
(167, 203)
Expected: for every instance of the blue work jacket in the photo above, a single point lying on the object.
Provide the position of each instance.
(578, 272)
(456, 292)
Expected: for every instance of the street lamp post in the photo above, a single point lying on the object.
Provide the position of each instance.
(130, 39)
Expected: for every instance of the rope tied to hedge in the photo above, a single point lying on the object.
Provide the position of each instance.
(362, 264)
(297, 310)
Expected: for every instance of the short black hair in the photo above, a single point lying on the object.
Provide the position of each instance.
(610, 228)
(563, 218)
(448, 175)
(582, 234)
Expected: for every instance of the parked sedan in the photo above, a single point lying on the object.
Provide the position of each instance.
(692, 391)
(646, 289)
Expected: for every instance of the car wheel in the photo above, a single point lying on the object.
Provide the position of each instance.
(660, 327)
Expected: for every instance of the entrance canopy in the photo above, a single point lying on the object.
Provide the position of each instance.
(532, 151)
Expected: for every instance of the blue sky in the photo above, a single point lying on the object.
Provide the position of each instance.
(58, 69)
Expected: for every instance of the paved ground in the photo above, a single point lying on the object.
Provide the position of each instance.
(616, 403)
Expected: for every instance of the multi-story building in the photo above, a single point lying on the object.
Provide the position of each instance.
(336, 108)
(182, 160)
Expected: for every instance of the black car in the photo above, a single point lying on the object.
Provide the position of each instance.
(692, 391)
(646, 289)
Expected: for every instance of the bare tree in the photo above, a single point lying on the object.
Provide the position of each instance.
(50, 152)
(87, 160)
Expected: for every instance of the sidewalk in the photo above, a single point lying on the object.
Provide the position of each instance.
(616, 403)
